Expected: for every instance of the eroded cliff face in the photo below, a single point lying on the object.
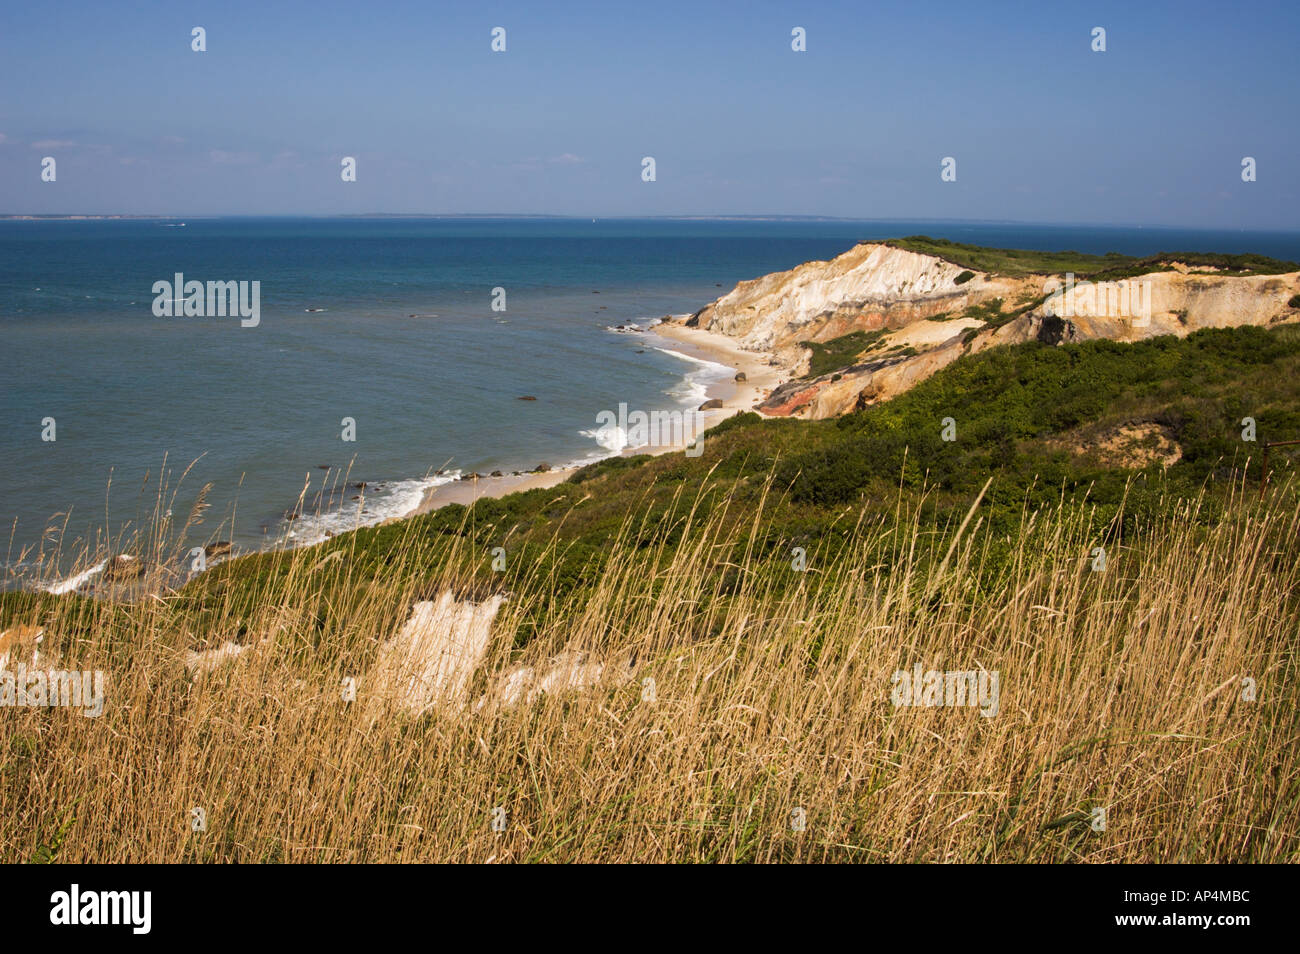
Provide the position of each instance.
(879, 288)
(1159, 303)
(868, 288)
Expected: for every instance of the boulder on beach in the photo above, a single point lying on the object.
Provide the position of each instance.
(496, 473)
(541, 468)
(711, 404)
(217, 548)
(741, 377)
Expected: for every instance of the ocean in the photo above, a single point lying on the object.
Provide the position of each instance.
(388, 322)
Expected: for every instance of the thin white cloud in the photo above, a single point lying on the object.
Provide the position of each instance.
(53, 144)
(223, 158)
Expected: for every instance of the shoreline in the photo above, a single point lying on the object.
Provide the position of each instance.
(669, 335)
(761, 378)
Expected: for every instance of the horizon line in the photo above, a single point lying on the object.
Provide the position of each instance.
(565, 216)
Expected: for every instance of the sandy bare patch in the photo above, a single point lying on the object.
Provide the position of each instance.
(432, 659)
(1136, 444)
(20, 643)
(926, 334)
(570, 671)
(207, 660)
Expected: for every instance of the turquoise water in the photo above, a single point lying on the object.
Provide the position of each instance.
(386, 321)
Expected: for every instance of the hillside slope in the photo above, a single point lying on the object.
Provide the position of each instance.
(663, 656)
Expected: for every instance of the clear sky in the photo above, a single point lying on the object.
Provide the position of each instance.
(1152, 131)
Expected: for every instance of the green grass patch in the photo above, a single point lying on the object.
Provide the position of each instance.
(1018, 263)
(839, 353)
(1012, 262)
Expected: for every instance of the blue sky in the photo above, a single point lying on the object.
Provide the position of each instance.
(1043, 129)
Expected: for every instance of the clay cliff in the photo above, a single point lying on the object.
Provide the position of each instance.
(920, 312)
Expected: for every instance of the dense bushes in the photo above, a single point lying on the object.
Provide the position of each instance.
(1005, 403)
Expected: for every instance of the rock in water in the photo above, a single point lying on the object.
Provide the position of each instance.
(120, 568)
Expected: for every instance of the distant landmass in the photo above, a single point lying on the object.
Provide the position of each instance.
(79, 218)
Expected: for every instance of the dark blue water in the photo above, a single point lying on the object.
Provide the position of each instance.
(407, 344)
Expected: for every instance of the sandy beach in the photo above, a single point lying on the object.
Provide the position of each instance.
(761, 378)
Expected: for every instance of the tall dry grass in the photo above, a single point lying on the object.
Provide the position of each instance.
(1120, 689)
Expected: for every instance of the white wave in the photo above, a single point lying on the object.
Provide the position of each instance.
(693, 389)
(689, 391)
(713, 365)
(612, 438)
(75, 582)
(392, 499)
